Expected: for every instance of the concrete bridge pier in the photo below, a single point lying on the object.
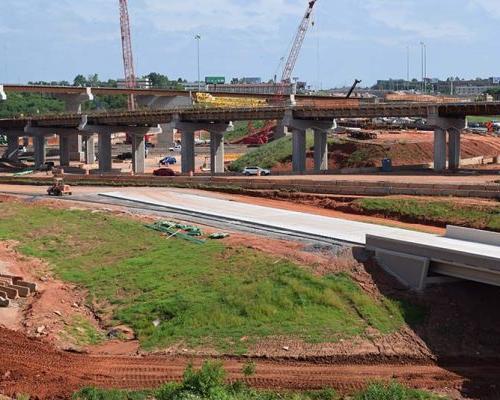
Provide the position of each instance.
(138, 154)
(104, 149)
(64, 153)
(443, 126)
(73, 104)
(439, 149)
(320, 150)
(89, 148)
(188, 164)
(216, 153)
(153, 102)
(12, 147)
(299, 150)
(40, 153)
(454, 148)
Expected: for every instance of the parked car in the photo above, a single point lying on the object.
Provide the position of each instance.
(169, 160)
(124, 156)
(164, 172)
(177, 147)
(255, 171)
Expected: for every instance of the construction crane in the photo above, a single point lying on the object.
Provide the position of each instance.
(296, 47)
(128, 58)
(356, 83)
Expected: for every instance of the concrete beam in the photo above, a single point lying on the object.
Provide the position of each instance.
(3, 95)
(439, 150)
(216, 153)
(299, 150)
(105, 160)
(163, 102)
(110, 130)
(320, 151)
(138, 154)
(64, 150)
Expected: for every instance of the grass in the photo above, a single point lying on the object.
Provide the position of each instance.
(241, 130)
(437, 212)
(206, 295)
(483, 119)
(82, 333)
(208, 384)
(269, 155)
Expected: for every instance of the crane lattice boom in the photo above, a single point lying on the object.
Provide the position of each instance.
(128, 58)
(297, 44)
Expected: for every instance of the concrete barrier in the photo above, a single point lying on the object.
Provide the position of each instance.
(473, 235)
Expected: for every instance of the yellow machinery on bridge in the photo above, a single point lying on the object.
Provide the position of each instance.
(226, 101)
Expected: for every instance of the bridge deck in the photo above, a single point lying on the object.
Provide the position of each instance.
(471, 257)
(197, 114)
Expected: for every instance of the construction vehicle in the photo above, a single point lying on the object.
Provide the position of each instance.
(58, 188)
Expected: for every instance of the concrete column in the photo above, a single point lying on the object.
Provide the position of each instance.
(439, 149)
(281, 130)
(12, 147)
(105, 161)
(89, 146)
(454, 149)
(216, 153)
(320, 151)
(39, 142)
(299, 150)
(187, 152)
(138, 154)
(64, 150)
(75, 148)
(166, 138)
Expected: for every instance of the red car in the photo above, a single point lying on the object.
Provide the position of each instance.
(164, 172)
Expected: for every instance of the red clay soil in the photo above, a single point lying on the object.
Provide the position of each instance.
(32, 367)
(402, 147)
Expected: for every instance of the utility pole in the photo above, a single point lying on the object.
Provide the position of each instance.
(422, 46)
(408, 67)
(198, 38)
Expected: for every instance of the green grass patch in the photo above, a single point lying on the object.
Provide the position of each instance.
(208, 384)
(82, 332)
(436, 212)
(269, 155)
(241, 130)
(207, 294)
(483, 119)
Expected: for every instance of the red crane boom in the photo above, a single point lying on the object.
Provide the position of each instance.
(128, 58)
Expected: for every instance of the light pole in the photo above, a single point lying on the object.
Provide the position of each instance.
(422, 47)
(198, 38)
(408, 67)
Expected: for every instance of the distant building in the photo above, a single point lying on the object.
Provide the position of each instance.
(140, 84)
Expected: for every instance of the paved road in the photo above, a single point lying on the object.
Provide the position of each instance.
(290, 221)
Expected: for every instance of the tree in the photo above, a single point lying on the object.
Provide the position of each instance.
(158, 80)
(80, 80)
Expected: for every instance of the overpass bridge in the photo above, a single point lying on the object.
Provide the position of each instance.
(446, 119)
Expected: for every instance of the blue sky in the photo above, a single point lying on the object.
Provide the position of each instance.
(366, 39)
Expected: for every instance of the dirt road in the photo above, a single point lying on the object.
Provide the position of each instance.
(32, 367)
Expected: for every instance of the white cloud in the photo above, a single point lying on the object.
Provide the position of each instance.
(191, 15)
(491, 6)
(408, 17)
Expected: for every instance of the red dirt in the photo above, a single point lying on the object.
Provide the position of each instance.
(33, 367)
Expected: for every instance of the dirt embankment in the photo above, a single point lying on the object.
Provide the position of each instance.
(402, 147)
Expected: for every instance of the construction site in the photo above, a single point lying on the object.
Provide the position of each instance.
(248, 240)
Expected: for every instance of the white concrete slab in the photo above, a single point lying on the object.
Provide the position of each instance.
(326, 227)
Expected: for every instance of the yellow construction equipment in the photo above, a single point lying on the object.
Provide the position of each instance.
(206, 99)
